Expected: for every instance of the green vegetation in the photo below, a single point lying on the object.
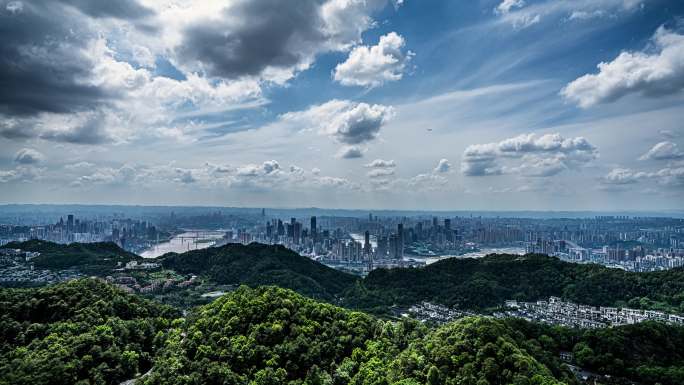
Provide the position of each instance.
(80, 332)
(274, 336)
(649, 352)
(88, 332)
(467, 283)
(489, 281)
(258, 264)
(89, 258)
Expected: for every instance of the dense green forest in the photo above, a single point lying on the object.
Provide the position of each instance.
(274, 336)
(257, 264)
(649, 352)
(88, 332)
(89, 258)
(467, 283)
(80, 332)
(489, 281)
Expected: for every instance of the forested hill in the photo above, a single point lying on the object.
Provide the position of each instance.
(273, 336)
(87, 332)
(79, 332)
(258, 264)
(489, 281)
(91, 258)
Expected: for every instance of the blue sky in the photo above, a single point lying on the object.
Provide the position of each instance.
(502, 105)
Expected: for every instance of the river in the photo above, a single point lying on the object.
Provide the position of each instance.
(428, 260)
(474, 254)
(186, 241)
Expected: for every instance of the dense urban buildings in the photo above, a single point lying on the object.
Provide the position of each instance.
(558, 312)
(129, 234)
(360, 243)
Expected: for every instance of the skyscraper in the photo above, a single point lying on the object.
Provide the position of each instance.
(400, 241)
(70, 222)
(297, 232)
(281, 228)
(447, 230)
(393, 246)
(381, 250)
(269, 231)
(314, 229)
(366, 243)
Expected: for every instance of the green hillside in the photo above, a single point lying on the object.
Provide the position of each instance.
(467, 283)
(649, 352)
(88, 332)
(258, 264)
(80, 332)
(90, 258)
(274, 336)
(489, 281)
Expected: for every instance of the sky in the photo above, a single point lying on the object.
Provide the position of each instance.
(368, 104)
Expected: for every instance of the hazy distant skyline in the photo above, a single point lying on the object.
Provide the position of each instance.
(404, 104)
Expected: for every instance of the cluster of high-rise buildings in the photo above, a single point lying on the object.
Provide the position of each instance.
(383, 239)
(130, 234)
(334, 245)
(622, 255)
(634, 243)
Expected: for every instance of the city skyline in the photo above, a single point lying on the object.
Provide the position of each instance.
(490, 105)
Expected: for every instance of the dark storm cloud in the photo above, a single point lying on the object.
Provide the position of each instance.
(254, 35)
(42, 63)
(88, 128)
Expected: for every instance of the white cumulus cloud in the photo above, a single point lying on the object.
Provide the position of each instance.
(653, 73)
(663, 151)
(351, 124)
(381, 163)
(372, 66)
(443, 166)
(528, 155)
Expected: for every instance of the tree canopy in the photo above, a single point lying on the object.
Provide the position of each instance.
(270, 335)
(489, 281)
(90, 258)
(79, 332)
(258, 264)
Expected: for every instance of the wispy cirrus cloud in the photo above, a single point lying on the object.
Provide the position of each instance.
(521, 14)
